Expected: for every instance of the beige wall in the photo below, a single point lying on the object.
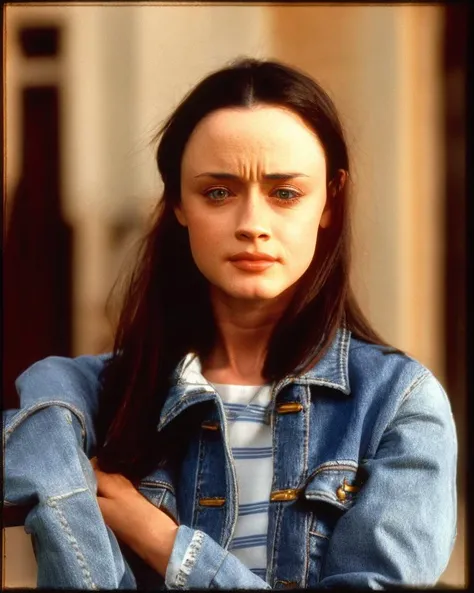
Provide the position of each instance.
(123, 68)
(382, 65)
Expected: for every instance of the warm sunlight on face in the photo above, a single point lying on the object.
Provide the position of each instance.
(253, 189)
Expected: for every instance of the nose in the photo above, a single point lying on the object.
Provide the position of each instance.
(253, 222)
(250, 234)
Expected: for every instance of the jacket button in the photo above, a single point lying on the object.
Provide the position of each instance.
(289, 408)
(285, 584)
(208, 425)
(346, 487)
(284, 495)
(212, 502)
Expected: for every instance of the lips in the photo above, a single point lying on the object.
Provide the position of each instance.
(252, 261)
(252, 256)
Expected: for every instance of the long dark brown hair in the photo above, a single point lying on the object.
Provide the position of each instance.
(166, 311)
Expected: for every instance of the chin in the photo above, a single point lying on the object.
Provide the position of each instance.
(254, 293)
(255, 296)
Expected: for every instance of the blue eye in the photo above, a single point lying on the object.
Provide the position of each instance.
(217, 194)
(286, 194)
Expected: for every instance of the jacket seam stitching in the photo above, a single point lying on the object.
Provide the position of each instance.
(344, 354)
(405, 395)
(79, 555)
(333, 468)
(318, 534)
(272, 559)
(306, 422)
(307, 427)
(307, 551)
(197, 482)
(28, 411)
(182, 404)
(218, 569)
(411, 388)
(157, 484)
(329, 498)
(416, 382)
(317, 381)
(66, 495)
(278, 521)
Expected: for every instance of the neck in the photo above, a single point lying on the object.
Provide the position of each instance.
(244, 329)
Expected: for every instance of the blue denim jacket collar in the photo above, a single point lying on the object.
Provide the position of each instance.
(189, 386)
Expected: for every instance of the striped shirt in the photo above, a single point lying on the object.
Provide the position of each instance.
(250, 439)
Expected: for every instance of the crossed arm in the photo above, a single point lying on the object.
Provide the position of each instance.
(147, 530)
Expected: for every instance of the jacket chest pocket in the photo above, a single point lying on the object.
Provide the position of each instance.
(161, 494)
(329, 494)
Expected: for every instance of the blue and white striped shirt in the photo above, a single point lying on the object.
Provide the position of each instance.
(250, 438)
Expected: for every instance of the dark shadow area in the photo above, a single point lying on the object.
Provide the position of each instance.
(37, 262)
(455, 64)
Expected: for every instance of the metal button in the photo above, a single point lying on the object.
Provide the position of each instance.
(212, 502)
(286, 584)
(283, 495)
(346, 487)
(208, 425)
(289, 408)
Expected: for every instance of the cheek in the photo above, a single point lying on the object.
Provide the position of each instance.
(301, 241)
(205, 238)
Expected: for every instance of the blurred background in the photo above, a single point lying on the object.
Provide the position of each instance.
(86, 87)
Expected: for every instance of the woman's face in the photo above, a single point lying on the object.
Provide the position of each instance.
(253, 196)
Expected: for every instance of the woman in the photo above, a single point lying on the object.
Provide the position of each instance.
(250, 429)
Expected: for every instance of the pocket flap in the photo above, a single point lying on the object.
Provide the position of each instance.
(334, 483)
(158, 488)
(161, 495)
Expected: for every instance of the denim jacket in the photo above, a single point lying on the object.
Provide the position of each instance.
(363, 491)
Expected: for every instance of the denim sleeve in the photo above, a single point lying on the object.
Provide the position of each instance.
(46, 468)
(402, 526)
(198, 562)
(70, 382)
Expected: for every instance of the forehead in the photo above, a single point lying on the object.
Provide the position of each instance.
(262, 135)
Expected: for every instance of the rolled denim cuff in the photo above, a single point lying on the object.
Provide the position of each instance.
(198, 562)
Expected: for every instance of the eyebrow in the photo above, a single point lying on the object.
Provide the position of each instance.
(218, 175)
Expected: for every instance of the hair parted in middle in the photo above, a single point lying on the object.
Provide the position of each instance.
(166, 311)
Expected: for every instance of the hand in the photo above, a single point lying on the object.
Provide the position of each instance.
(137, 522)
